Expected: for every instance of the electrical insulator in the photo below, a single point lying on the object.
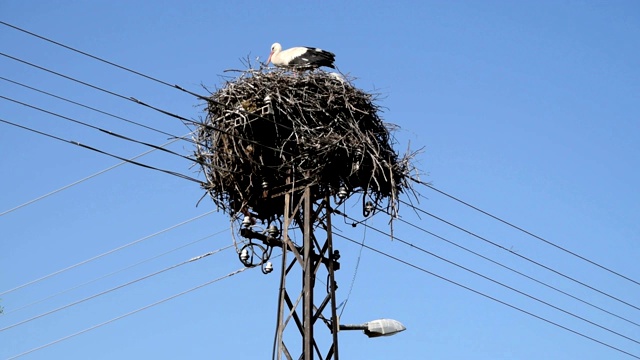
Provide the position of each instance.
(273, 231)
(244, 255)
(269, 110)
(265, 185)
(368, 207)
(268, 267)
(246, 222)
(342, 192)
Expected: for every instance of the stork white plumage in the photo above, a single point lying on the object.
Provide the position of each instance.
(301, 57)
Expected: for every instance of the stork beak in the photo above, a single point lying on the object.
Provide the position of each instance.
(269, 59)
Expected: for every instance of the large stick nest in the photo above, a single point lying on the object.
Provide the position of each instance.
(268, 132)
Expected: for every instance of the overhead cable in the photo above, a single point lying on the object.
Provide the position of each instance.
(528, 232)
(173, 173)
(101, 59)
(108, 132)
(142, 103)
(201, 97)
(517, 272)
(106, 253)
(113, 289)
(501, 284)
(129, 313)
(85, 178)
(92, 108)
(489, 297)
(523, 257)
(112, 273)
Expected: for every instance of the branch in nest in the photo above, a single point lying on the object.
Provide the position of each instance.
(308, 126)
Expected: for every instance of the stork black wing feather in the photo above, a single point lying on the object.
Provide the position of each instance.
(315, 57)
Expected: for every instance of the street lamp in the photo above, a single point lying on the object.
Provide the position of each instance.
(377, 328)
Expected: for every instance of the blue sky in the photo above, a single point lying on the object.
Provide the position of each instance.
(528, 110)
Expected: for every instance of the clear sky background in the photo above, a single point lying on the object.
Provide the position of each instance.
(529, 110)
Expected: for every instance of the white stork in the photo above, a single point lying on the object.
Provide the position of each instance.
(301, 57)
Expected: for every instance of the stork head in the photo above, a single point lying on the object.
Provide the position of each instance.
(275, 48)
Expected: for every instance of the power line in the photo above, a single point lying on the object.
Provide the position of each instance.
(522, 256)
(176, 116)
(130, 139)
(84, 179)
(528, 232)
(182, 176)
(113, 273)
(139, 102)
(108, 132)
(106, 253)
(113, 289)
(65, 76)
(173, 173)
(173, 86)
(517, 272)
(489, 297)
(97, 58)
(208, 99)
(129, 313)
(90, 108)
(126, 138)
(165, 112)
(95, 87)
(499, 283)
